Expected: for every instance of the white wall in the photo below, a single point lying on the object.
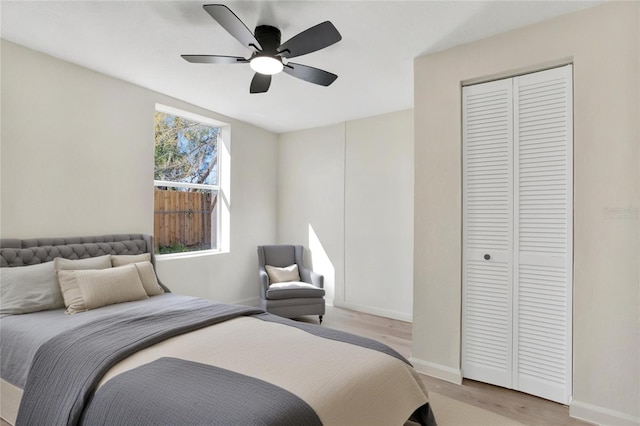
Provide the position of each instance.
(379, 215)
(346, 192)
(311, 200)
(77, 159)
(604, 45)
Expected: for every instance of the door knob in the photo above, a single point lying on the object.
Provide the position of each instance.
(487, 257)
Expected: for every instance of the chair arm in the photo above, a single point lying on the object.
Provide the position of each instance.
(317, 279)
(263, 282)
(308, 276)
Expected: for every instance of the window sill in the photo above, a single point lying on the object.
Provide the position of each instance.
(189, 254)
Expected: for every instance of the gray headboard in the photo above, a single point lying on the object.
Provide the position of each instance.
(16, 252)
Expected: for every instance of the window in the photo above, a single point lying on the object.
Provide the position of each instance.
(188, 195)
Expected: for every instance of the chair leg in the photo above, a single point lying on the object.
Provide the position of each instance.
(320, 319)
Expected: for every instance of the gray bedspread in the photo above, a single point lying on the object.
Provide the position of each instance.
(22, 335)
(66, 369)
(205, 395)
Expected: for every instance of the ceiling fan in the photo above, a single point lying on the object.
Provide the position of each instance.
(269, 56)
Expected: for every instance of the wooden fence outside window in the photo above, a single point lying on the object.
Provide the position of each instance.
(183, 219)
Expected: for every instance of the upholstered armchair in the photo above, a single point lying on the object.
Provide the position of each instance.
(287, 287)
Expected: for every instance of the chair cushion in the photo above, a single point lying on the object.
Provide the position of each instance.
(293, 289)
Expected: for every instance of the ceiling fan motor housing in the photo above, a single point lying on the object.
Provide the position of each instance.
(269, 39)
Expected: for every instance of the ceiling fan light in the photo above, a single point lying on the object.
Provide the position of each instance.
(266, 65)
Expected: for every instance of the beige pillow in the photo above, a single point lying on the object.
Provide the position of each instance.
(92, 288)
(148, 277)
(125, 259)
(281, 275)
(100, 262)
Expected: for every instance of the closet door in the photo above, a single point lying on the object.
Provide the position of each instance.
(543, 215)
(487, 232)
(517, 215)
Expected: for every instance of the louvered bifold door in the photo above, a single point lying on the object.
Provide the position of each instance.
(487, 232)
(543, 213)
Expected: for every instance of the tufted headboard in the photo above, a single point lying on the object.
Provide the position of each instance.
(16, 252)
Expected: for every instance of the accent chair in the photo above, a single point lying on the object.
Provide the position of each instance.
(287, 288)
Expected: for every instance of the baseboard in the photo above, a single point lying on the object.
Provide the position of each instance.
(448, 374)
(600, 415)
(252, 301)
(401, 316)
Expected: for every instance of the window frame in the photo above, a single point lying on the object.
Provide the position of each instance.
(222, 187)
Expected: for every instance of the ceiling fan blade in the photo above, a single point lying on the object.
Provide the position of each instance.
(310, 74)
(260, 83)
(214, 59)
(232, 24)
(315, 38)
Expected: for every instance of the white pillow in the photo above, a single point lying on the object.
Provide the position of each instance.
(25, 289)
(92, 288)
(281, 275)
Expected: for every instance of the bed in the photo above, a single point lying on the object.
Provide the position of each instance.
(103, 351)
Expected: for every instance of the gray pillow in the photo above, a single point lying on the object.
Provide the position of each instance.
(25, 289)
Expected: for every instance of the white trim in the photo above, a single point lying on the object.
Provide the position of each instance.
(224, 193)
(185, 185)
(543, 66)
(600, 415)
(401, 316)
(169, 256)
(190, 115)
(448, 374)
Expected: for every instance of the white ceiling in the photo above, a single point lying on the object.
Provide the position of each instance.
(141, 42)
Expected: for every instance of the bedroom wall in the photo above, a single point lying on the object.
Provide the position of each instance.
(77, 159)
(346, 191)
(311, 200)
(379, 215)
(604, 45)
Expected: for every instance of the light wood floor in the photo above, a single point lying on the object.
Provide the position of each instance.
(518, 406)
